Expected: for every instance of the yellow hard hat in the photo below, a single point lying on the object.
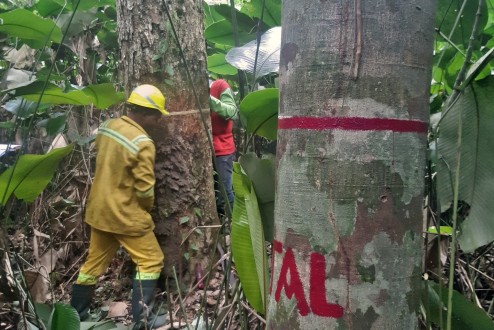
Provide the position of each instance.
(148, 96)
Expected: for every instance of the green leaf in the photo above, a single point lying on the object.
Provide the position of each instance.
(453, 68)
(262, 174)
(55, 124)
(478, 67)
(222, 33)
(23, 108)
(64, 317)
(259, 112)
(79, 22)
(89, 4)
(53, 94)
(474, 109)
(446, 15)
(248, 243)
(54, 7)
(245, 22)
(211, 15)
(44, 312)
(35, 30)
(48, 8)
(7, 124)
(465, 314)
(184, 220)
(272, 11)
(444, 230)
(218, 64)
(30, 175)
(104, 95)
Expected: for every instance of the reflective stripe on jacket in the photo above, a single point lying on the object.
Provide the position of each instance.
(122, 193)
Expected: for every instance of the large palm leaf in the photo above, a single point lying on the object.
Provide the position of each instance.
(473, 113)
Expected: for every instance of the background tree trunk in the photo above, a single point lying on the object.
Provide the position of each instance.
(354, 84)
(149, 54)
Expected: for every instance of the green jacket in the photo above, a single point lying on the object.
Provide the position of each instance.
(122, 193)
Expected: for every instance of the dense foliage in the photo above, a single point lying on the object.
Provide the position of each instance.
(59, 79)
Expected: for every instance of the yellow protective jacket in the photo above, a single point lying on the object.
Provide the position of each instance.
(122, 193)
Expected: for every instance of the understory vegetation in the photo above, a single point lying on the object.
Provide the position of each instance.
(59, 69)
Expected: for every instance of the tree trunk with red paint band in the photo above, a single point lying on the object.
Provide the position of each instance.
(354, 100)
(184, 174)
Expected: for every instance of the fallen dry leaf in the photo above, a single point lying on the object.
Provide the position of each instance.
(117, 309)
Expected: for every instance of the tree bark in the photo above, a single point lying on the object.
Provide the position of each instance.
(354, 91)
(184, 187)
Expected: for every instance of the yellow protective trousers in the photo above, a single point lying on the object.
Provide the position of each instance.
(144, 251)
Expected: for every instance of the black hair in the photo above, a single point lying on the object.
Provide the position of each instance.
(144, 111)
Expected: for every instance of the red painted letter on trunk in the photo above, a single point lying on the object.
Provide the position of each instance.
(318, 302)
(294, 288)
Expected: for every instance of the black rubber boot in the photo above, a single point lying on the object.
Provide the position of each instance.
(142, 306)
(81, 299)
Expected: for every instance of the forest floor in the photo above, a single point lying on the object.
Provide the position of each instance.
(474, 278)
(47, 243)
(111, 302)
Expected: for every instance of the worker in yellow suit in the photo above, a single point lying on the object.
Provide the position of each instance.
(121, 197)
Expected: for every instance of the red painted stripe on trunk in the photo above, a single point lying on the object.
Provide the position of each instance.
(353, 124)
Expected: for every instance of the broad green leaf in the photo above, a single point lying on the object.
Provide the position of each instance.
(104, 95)
(53, 94)
(42, 75)
(445, 52)
(64, 317)
(211, 15)
(79, 22)
(108, 37)
(262, 174)
(89, 4)
(474, 112)
(447, 13)
(30, 175)
(222, 33)
(218, 64)
(47, 8)
(44, 312)
(453, 68)
(479, 67)
(55, 124)
(272, 11)
(259, 112)
(244, 22)
(465, 314)
(54, 7)
(485, 72)
(23, 108)
(35, 30)
(248, 244)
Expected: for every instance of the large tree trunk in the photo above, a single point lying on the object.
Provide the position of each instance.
(149, 54)
(354, 82)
